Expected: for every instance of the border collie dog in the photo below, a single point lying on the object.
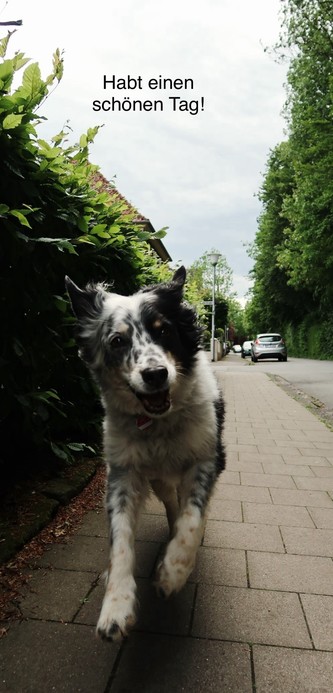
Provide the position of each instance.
(162, 428)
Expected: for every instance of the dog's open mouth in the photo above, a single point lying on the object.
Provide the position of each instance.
(155, 402)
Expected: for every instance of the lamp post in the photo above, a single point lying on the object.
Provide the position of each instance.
(213, 259)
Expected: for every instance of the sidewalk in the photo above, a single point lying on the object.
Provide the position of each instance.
(257, 613)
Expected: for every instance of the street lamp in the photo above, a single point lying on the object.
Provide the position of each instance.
(213, 259)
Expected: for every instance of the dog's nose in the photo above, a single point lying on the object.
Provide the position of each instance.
(155, 376)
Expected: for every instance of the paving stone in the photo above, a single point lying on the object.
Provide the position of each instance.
(319, 615)
(55, 594)
(323, 471)
(316, 452)
(242, 447)
(301, 436)
(272, 437)
(269, 480)
(158, 663)
(256, 458)
(248, 615)
(80, 553)
(229, 477)
(243, 466)
(314, 484)
(319, 499)
(270, 514)
(231, 457)
(290, 446)
(146, 554)
(321, 435)
(289, 469)
(91, 606)
(308, 541)
(279, 670)
(154, 528)
(322, 517)
(294, 424)
(94, 524)
(272, 571)
(154, 614)
(172, 616)
(42, 656)
(220, 567)
(243, 493)
(325, 447)
(298, 459)
(239, 535)
(153, 506)
(230, 510)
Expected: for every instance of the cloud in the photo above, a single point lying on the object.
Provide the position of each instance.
(197, 174)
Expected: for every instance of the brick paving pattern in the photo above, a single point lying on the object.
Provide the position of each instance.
(257, 612)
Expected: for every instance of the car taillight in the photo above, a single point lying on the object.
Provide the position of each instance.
(257, 341)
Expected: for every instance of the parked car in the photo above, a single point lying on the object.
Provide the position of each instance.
(237, 348)
(246, 349)
(269, 346)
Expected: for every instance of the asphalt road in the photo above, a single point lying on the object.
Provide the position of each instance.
(315, 378)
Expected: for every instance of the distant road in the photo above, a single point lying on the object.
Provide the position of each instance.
(315, 378)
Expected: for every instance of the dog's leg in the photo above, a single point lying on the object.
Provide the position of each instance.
(125, 491)
(180, 555)
(168, 495)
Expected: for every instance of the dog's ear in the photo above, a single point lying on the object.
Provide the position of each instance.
(180, 276)
(86, 303)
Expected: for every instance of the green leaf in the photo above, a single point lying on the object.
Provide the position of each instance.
(21, 217)
(60, 303)
(78, 447)
(11, 121)
(59, 452)
(82, 224)
(32, 79)
(4, 43)
(83, 141)
(99, 227)
(3, 209)
(61, 243)
(6, 70)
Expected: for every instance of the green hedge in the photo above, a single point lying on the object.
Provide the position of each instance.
(310, 339)
(54, 221)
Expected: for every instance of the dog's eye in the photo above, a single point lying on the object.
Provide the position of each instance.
(165, 330)
(161, 329)
(117, 341)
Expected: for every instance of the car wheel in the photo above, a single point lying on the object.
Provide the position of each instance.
(254, 359)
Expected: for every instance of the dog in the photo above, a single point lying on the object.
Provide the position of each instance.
(162, 428)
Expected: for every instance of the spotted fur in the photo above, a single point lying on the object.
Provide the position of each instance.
(162, 428)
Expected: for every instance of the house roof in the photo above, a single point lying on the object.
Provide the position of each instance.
(116, 196)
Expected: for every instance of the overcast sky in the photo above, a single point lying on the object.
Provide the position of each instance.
(197, 173)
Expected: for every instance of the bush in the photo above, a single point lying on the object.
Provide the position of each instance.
(55, 220)
(310, 339)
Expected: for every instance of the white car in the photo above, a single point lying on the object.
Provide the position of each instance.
(237, 348)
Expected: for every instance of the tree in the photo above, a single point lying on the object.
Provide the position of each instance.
(201, 273)
(307, 255)
(293, 249)
(200, 288)
(274, 300)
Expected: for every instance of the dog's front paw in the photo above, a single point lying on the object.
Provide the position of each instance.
(117, 617)
(171, 576)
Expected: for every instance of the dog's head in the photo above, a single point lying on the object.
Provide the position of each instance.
(139, 347)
